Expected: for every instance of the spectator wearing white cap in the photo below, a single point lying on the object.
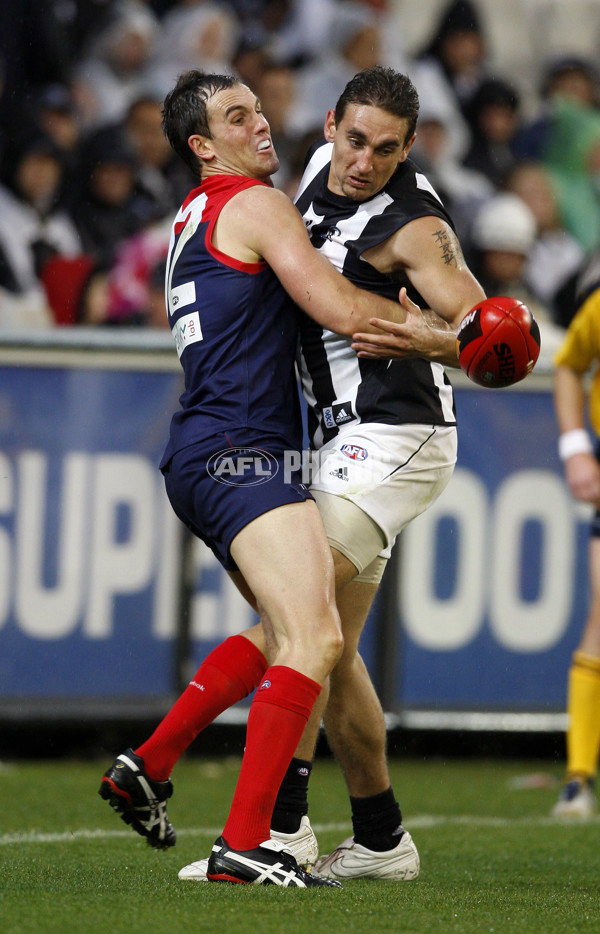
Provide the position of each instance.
(502, 237)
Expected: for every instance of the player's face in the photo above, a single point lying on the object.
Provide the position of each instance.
(368, 144)
(241, 139)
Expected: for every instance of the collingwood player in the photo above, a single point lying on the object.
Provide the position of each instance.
(383, 430)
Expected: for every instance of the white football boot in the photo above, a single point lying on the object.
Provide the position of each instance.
(577, 800)
(350, 860)
(302, 845)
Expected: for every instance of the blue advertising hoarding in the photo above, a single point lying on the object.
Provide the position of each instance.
(492, 584)
(492, 589)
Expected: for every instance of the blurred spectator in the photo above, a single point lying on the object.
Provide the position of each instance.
(572, 156)
(131, 293)
(452, 66)
(106, 208)
(162, 180)
(297, 162)
(354, 43)
(55, 113)
(555, 255)
(76, 289)
(502, 236)
(277, 88)
(565, 137)
(132, 297)
(575, 78)
(196, 35)
(572, 78)
(458, 49)
(304, 34)
(299, 29)
(494, 120)
(251, 58)
(461, 189)
(33, 225)
(113, 71)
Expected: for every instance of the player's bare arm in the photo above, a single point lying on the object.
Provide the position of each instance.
(422, 334)
(582, 471)
(262, 223)
(428, 252)
(569, 398)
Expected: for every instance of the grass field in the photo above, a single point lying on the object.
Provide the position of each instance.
(491, 858)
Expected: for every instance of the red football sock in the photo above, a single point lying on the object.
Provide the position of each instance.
(277, 718)
(229, 673)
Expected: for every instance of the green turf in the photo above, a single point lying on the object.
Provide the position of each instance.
(491, 859)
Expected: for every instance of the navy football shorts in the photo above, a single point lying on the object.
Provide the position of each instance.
(220, 484)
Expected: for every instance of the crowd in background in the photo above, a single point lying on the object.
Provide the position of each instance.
(89, 185)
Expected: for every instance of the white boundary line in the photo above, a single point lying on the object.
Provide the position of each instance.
(419, 821)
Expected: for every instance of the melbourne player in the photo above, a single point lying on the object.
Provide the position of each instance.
(384, 431)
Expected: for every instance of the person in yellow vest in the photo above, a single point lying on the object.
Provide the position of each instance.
(578, 355)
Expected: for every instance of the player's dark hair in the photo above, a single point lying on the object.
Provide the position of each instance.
(385, 88)
(184, 111)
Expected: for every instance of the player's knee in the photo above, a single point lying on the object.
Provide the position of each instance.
(328, 634)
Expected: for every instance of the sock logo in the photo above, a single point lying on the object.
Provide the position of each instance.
(304, 771)
(266, 684)
(194, 684)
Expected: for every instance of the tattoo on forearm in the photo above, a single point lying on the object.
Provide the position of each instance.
(450, 247)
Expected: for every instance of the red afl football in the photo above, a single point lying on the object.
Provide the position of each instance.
(498, 342)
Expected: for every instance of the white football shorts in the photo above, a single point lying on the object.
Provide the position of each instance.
(392, 473)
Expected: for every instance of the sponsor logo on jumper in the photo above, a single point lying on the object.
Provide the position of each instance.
(194, 684)
(186, 331)
(184, 294)
(328, 417)
(265, 685)
(338, 414)
(354, 452)
(242, 466)
(331, 232)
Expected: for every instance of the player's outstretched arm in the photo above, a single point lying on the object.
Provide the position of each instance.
(428, 252)
(270, 226)
(422, 334)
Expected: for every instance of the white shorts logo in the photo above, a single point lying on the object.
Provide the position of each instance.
(186, 331)
(354, 452)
